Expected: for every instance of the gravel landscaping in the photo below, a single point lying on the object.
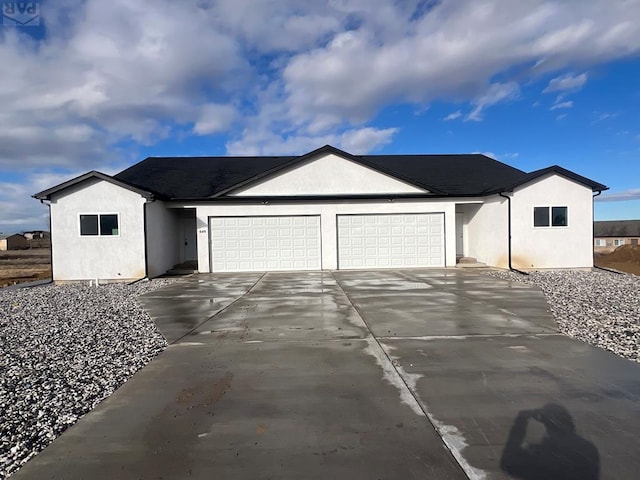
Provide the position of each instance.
(63, 349)
(597, 307)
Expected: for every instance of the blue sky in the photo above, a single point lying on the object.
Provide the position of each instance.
(102, 85)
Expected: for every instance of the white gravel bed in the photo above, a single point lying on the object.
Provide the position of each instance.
(63, 349)
(597, 307)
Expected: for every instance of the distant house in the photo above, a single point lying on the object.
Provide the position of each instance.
(36, 235)
(38, 239)
(12, 241)
(609, 235)
(325, 210)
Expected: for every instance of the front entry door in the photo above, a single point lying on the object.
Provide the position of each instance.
(459, 237)
(189, 239)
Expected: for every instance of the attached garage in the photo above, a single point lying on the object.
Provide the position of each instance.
(388, 241)
(266, 243)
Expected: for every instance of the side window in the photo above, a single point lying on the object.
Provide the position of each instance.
(101, 224)
(88, 225)
(559, 217)
(541, 217)
(109, 224)
(550, 216)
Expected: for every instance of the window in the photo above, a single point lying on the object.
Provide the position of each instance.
(104, 224)
(618, 241)
(634, 241)
(559, 217)
(550, 216)
(601, 242)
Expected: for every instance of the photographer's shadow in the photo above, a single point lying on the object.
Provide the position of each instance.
(558, 453)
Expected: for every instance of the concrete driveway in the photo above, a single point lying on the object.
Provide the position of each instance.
(389, 374)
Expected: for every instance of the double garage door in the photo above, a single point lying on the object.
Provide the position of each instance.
(294, 242)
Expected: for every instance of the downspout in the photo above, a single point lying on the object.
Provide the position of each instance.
(50, 238)
(509, 233)
(146, 241)
(593, 235)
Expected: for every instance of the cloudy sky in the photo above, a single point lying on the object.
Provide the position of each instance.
(101, 85)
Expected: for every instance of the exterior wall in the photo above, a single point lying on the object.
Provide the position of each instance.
(328, 221)
(162, 234)
(486, 237)
(113, 258)
(552, 247)
(318, 177)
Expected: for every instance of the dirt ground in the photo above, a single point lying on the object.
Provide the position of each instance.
(18, 266)
(625, 258)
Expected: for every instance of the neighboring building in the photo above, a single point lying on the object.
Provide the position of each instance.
(38, 239)
(325, 210)
(36, 235)
(12, 241)
(611, 234)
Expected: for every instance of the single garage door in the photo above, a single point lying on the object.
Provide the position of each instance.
(250, 244)
(386, 241)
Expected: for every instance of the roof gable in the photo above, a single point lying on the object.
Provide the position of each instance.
(326, 173)
(46, 194)
(563, 172)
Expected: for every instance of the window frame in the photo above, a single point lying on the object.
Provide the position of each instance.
(98, 214)
(550, 216)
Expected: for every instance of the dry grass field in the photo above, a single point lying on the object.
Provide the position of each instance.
(18, 266)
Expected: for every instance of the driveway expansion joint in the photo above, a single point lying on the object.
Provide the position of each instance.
(383, 356)
(222, 310)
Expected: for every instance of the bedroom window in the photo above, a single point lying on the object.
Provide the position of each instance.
(550, 217)
(102, 224)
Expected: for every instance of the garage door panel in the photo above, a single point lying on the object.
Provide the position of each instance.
(393, 240)
(265, 243)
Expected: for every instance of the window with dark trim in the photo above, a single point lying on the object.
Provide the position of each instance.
(550, 216)
(103, 224)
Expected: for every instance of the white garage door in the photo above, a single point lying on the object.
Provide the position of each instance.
(385, 241)
(250, 244)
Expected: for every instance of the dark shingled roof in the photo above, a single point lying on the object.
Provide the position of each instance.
(617, 228)
(194, 178)
(456, 175)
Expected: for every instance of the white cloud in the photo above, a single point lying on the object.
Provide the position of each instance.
(453, 116)
(561, 116)
(568, 104)
(622, 196)
(356, 141)
(566, 82)
(215, 118)
(120, 70)
(436, 56)
(497, 93)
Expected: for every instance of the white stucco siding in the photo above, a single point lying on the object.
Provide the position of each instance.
(77, 257)
(552, 247)
(162, 231)
(486, 235)
(328, 175)
(328, 218)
